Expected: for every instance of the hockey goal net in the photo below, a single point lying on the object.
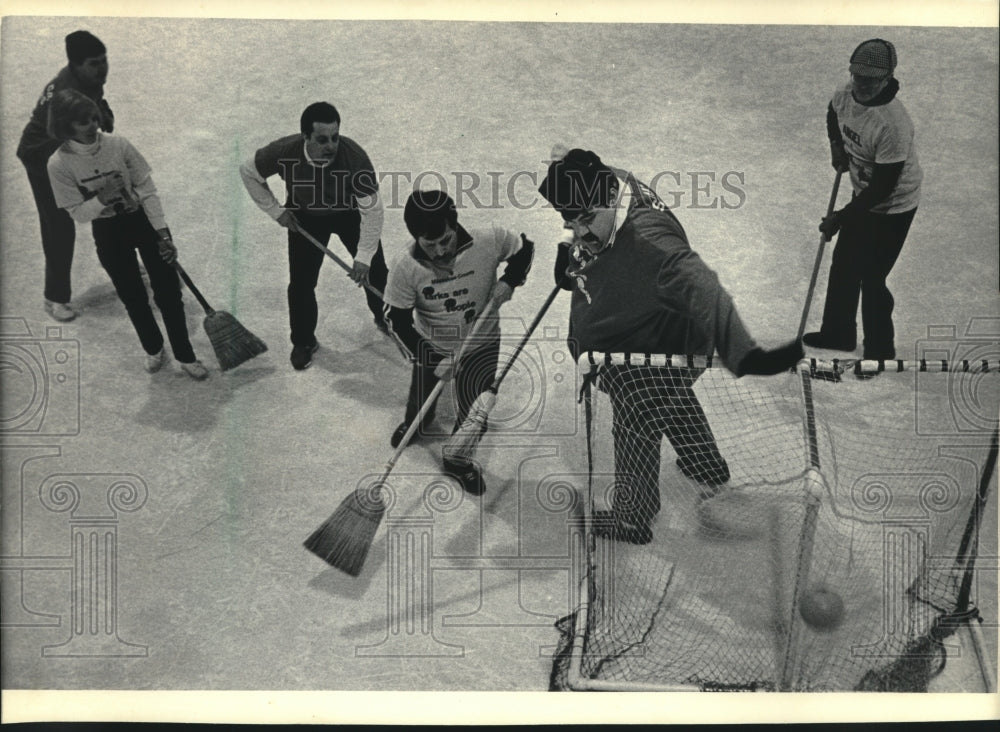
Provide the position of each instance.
(811, 531)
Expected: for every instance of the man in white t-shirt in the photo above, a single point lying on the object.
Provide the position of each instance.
(437, 289)
(871, 135)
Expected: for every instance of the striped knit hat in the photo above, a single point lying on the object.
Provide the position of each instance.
(875, 58)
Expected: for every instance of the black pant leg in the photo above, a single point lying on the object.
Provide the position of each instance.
(885, 236)
(166, 286)
(843, 290)
(116, 253)
(304, 263)
(422, 383)
(58, 236)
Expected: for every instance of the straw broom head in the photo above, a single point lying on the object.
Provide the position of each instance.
(462, 444)
(233, 344)
(344, 539)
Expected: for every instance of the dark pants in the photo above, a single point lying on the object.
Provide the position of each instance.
(58, 235)
(117, 240)
(867, 249)
(475, 374)
(305, 260)
(646, 405)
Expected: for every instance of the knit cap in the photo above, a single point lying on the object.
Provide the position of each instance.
(81, 45)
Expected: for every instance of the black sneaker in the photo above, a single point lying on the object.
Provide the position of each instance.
(710, 471)
(397, 435)
(468, 474)
(612, 526)
(818, 339)
(302, 356)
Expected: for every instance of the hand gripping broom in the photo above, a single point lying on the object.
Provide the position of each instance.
(344, 539)
(233, 344)
(462, 444)
(343, 265)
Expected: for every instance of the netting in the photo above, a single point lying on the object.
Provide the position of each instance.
(811, 531)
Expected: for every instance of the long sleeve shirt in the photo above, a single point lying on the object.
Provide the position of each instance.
(78, 171)
(345, 184)
(35, 146)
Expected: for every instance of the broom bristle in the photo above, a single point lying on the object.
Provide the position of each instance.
(463, 443)
(233, 344)
(344, 539)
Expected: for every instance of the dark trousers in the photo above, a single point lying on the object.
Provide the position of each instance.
(58, 235)
(474, 375)
(866, 250)
(646, 405)
(117, 240)
(305, 260)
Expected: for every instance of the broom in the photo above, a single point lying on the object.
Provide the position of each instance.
(344, 539)
(343, 265)
(233, 344)
(462, 444)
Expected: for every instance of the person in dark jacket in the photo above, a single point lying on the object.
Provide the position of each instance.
(871, 135)
(86, 72)
(638, 287)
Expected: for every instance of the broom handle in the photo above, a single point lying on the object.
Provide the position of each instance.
(344, 265)
(524, 340)
(819, 258)
(194, 290)
(415, 422)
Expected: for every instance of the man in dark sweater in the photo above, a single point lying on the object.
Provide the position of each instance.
(638, 287)
(86, 72)
(331, 188)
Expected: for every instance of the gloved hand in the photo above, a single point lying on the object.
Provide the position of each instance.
(830, 225)
(446, 369)
(839, 158)
(760, 362)
(168, 250)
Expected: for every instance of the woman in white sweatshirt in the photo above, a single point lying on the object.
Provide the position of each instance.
(103, 179)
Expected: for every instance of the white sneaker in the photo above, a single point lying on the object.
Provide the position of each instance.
(196, 370)
(155, 362)
(60, 311)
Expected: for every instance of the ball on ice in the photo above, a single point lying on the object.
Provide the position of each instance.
(821, 607)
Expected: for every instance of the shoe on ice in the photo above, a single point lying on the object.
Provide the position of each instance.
(60, 311)
(468, 474)
(397, 434)
(709, 471)
(155, 361)
(613, 526)
(302, 356)
(196, 370)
